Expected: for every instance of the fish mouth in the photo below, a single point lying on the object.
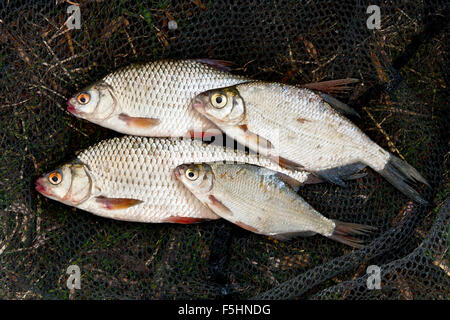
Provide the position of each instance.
(71, 108)
(40, 187)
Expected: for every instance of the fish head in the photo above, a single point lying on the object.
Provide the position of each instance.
(70, 184)
(198, 178)
(223, 106)
(95, 103)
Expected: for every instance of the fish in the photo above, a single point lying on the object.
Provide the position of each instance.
(131, 178)
(255, 199)
(298, 129)
(154, 99)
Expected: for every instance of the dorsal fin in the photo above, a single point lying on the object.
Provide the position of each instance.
(221, 65)
(331, 86)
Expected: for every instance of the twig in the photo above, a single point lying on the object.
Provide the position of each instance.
(59, 63)
(390, 143)
(14, 104)
(48, 89)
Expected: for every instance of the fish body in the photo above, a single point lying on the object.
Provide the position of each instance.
(296, 127)
(131, 178)
(255, 199)
(153, 99)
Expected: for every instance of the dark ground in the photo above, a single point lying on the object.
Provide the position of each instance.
(403, 103)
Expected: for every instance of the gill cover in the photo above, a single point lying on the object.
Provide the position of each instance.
(75, 186)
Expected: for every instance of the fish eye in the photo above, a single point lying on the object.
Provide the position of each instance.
(83, 98)
(192, 174)
(55, 177)
(219, 100)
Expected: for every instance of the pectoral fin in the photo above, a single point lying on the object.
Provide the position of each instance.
(255, 139)
(138, 122)
(218, 207)
(116, 203)
(203, 134)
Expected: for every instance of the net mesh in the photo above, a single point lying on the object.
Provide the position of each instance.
(402, 100)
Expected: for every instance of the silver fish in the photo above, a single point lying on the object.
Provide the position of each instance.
(131, 178)
(255, 199)
(300, 130)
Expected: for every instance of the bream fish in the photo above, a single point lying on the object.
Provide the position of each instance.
(297, 128)
(255, 199)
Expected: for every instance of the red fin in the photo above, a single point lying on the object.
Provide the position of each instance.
(203, 134)
(183, 220)
(246, 227)
(331, 86)
(221, 65)
(256, 139)
(218, 207)
(138, 122)
(116, 203)
(286, 164)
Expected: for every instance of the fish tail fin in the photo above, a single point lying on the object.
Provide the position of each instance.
(343, 232)
(404, 177)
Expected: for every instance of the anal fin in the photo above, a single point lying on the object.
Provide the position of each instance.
(290, 235)
(246, 227)
(183, 220)
(346, 172)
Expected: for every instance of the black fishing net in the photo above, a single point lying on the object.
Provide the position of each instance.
(402, 99)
